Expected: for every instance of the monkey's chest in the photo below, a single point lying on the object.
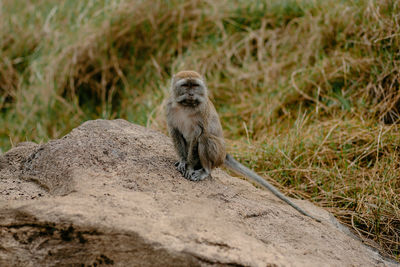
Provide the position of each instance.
(187, 124)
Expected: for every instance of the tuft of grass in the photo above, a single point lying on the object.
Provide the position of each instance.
(307, 90)
(345, 165)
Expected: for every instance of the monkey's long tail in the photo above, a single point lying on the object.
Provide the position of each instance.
(234, 165)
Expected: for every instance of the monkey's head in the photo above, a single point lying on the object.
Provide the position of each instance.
(189, 88)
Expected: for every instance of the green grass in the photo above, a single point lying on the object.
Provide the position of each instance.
(308, 91)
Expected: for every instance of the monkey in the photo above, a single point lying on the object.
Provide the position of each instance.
(196, 132)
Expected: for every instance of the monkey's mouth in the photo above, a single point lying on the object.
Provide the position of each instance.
(189, 102)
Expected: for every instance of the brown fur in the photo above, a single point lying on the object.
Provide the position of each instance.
(187, 74)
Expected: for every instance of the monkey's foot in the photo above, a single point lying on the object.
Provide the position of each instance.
(181, 166)
(197, 175)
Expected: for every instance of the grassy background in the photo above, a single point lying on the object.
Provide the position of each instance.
(308, 91)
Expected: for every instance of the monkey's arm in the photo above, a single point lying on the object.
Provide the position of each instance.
(234, 165)
(181, 148)
(192, 157)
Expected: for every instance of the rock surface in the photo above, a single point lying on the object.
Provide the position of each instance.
(108, 194)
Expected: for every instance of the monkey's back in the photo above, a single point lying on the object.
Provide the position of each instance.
(213, 140)
(214, 124)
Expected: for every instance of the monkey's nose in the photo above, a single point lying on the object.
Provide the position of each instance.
(191, 94)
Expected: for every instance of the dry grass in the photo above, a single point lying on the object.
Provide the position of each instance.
(308, 91)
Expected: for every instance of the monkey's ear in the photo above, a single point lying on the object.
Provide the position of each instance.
(203, 80)
(172, 81)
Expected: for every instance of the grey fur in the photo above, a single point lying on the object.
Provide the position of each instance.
(196, 131)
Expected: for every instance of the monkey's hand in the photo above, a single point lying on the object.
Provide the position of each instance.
(181, 166)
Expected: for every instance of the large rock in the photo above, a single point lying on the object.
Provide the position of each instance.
(108, 194)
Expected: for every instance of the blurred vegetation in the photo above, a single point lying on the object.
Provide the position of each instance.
(308, 91)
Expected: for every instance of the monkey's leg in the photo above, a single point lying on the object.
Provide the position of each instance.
(182, 149)
(205, 158)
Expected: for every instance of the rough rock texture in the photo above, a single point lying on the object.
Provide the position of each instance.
(108, 194)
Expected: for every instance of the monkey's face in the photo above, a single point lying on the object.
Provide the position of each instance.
(190, 92)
